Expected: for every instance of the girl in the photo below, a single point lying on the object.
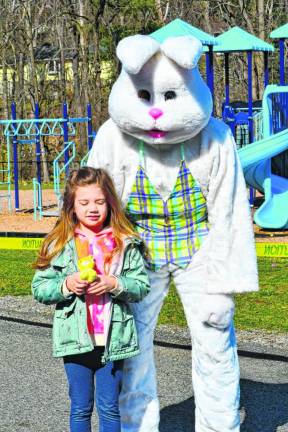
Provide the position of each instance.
(93, 324)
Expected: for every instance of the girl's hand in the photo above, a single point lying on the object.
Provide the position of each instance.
(75, 284)
(102, 285)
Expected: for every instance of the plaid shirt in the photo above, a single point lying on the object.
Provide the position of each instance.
(173, 229)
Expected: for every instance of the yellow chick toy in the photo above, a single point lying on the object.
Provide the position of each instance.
(86, 267)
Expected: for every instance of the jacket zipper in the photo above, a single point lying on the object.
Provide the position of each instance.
(120, 267)
(105, 353)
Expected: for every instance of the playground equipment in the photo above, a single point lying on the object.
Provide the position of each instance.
(30, 131)
(57, 169)
(6, 174)
(257, 160)
(37, 199)
(264, 163)
(240, 41)
(281, 34)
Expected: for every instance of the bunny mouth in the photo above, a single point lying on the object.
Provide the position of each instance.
(156, 133)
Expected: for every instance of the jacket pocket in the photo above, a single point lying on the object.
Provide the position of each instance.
(123, 333)
(66, 326)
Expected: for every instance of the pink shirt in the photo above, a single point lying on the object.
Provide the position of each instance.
(98, 307)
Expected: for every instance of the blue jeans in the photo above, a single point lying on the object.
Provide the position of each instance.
(81, 371)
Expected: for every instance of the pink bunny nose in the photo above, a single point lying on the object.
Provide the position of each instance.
(155, 113)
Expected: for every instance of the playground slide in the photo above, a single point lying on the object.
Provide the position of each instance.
(256, 162)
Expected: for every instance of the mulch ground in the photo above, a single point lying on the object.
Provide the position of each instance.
(23, 221)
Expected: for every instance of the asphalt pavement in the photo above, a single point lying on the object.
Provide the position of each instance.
(33, 390)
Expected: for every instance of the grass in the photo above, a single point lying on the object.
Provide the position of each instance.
(16, 272)
(266, 309)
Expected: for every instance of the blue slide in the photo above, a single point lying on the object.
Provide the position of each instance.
(256, 160)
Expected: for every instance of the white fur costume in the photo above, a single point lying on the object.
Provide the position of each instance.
(166, 78)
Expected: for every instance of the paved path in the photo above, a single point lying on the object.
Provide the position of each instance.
(33, 393)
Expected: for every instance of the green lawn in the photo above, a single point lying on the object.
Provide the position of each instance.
(16, 272)
(267, 309)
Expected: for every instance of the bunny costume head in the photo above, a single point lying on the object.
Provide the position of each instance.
(160, 97)
(178, 174)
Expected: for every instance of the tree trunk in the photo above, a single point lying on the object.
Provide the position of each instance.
(60, 38)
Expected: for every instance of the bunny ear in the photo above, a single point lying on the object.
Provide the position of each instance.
(183, 50)
(135, 51)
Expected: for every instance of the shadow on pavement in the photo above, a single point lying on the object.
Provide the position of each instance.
(265, 407)
(179, 417)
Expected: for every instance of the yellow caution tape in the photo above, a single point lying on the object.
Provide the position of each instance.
(27, 243)
(275, 250)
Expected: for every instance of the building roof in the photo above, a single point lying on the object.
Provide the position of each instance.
(179, 27)
(46, 51)
(280, 32)
(237, 39)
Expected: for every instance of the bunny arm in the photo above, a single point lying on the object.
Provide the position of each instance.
(230, 261)
(226, 262)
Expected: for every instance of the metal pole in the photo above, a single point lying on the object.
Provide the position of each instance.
(250, 97)
(15, 156)
(89, 126)
(66, 137)
(38, 148)
(38, 156)
(282, 61)
(250, 113)
(226, 65)
(209, 71)
(266, 69)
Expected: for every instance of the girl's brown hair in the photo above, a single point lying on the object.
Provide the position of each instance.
(64, 228)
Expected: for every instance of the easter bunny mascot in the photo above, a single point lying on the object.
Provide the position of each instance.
(178, 173)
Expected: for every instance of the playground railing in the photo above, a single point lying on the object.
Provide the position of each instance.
(37, 199)
(84, 160)
(31, 131)
(6, 180)
(45, 127)
(258, 126)
(58, 169)
(6, 194)
(242, 129)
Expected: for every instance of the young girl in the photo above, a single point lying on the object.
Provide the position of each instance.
(93, 324)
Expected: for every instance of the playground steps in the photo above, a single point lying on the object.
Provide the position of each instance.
(6, 194)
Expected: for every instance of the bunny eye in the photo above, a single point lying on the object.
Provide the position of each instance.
(144, 94)
(170, 95)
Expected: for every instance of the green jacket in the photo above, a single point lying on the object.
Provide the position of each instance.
(70, 334)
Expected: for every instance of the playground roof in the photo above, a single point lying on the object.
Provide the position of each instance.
(237, 39)
(182, 28)
(280, 32)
